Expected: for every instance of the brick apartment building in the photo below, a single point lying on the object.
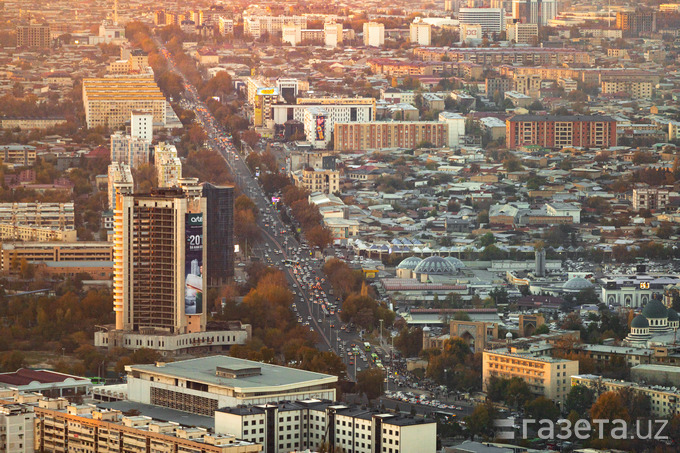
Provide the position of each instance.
(560, 131)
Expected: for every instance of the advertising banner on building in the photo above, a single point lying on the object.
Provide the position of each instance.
(320, 128)
(193, 264)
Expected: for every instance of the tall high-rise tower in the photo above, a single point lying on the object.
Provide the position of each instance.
(159, 277)
(219, 231)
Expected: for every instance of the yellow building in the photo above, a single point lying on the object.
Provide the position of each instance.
(109, 102)
(61, 427)
(316, 180)
(635, 89)
(545, 376)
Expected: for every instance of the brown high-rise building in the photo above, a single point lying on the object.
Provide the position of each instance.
(560, 131)
(158, 262)
(33, 35)
(636, 22)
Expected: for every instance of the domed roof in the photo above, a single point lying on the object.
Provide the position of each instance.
(458, 264)
(409, 263)
(434, 265)
(639, 322)
(655, 309)
(673, 315)
(577, 284)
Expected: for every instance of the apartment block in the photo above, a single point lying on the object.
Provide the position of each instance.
(34, 35)
(545, 376)
(389, 134)
(126, 149)
(317, 180)
(119, 181)
(637, 21)
(57, 215)
(650, 198)
(493, 57)
(374, 34)
(492, 20)
(30, 123)
(665, 400)
(13, 253)
(522, 33)
(17, 423)
(60, 427)
(560, 131)
(256, 26)
(420, 33)
(109, 101)
(22, 155)
(226, 26)
(304, 425)
(633, 89)
(168, 165)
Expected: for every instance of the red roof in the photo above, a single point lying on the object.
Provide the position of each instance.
(25, 376)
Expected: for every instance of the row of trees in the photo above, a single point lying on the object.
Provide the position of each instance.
(308, 215)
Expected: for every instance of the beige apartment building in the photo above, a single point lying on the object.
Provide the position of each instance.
(545, 376)
(665, 401)
(109, 102)
(61, 427)
(33, 35)
(168, 165)
(636, 89)
(389, 134)
(30, 123)
(12, 253)
(18, 154)
(318, 180)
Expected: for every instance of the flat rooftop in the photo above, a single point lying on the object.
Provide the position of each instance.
(204, 370)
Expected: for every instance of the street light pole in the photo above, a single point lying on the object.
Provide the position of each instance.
(381, 324)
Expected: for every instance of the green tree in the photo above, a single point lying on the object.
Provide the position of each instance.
(542, 329)
(480, 422)
(541, 408)
(370, 382)
(579, 399)
(487, 239)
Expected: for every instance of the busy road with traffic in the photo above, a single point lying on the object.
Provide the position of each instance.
(315, 304)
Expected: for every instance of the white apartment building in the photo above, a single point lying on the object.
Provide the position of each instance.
(522, 33)
(492, 20)
(17, 423)
(291, 34)
(141, 125)
(120, 181)
(168, 165)
(665, 401)
(332, 34)
(545, 376)
(225, 26)
(306, 424)
(256, 26)
(130, 150)
(421, 32)
(52, 215)
(456, 124)
(374, 34)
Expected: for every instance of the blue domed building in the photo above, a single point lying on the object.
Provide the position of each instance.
(406, 267)
(433, 266)
(655, 325)
(576, 285)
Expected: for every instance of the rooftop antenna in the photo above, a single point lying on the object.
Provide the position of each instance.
(609, 15)
(115, 12)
